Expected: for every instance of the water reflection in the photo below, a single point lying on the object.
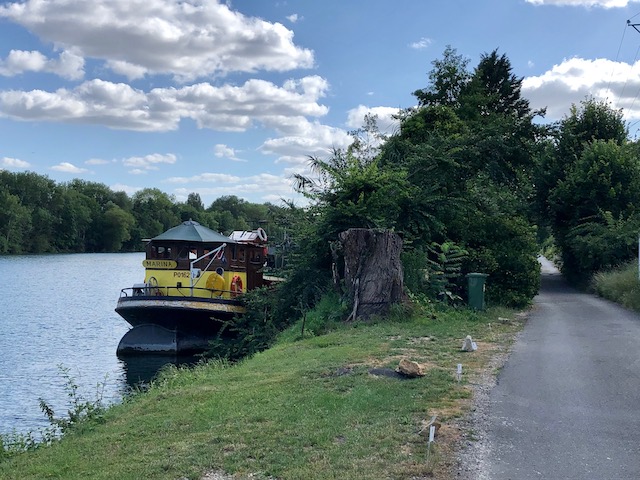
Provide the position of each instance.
(141, 369)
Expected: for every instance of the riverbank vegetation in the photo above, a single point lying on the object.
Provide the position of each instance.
(620, 285)
(323, 406)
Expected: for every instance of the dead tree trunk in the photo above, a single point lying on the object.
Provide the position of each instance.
(372, 270)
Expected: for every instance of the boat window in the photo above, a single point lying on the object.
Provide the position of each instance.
(241, 255)
(234, 252)
(255, 256)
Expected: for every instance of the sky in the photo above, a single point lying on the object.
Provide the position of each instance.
(232, 98)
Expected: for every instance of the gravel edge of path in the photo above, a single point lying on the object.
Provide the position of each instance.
(474, 446)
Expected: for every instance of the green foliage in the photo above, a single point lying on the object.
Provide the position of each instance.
(599, 243)
(37, 215)
(355, 193)
(326, 315)
(435, 273)
(80, 410)
(593, 208)
(414, 263)
(504, 248)
(15, 222)
(444, 267)
(447, 80)
(252, 332)
(620, 285)
(80, 414)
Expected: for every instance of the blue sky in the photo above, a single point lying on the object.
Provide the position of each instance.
(230, 98)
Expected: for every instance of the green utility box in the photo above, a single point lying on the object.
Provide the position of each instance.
(476, 289)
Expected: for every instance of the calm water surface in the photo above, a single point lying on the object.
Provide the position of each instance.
(58, 310)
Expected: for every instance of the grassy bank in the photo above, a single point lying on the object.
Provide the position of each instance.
(620, 285)
(305, 409)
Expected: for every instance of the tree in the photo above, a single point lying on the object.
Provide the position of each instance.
(195, 201)
(592, 120)
(154, 212)
(15, 222)
(116, 227)
(588, 184)
(600, 194)
(74, 219)
(469, 150)
(493, 88)
(355, 193)
(447, 79)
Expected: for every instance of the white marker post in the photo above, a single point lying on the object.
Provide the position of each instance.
(432, 433)
(459, 372)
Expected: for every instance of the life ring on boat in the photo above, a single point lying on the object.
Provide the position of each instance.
(262, 235)
(154, 289)
(236, 286)
(215, 283)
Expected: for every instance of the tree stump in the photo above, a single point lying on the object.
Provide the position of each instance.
(372, 270)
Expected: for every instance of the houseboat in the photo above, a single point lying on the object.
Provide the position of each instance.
(193, 281)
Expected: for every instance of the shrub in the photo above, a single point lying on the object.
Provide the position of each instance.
(620, 285)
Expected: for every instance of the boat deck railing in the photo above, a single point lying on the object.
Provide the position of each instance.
(186, 292)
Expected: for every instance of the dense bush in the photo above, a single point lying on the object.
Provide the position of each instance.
(589, 191)
(505, 249)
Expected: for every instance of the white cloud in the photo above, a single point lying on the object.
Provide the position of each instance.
(188, 39)
(67, 65)
(97, 161)
(8, 162)
(421, 44)
(300, 138)
(139, 165)
(224, 151)
(119, 106)
(294, 18)
(575, 79)
(129, 70)
(270, 187)
(386, 123)
(67, 167)
(206, 178)
(584, 3)
(129, 190)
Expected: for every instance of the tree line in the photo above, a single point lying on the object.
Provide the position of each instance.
(38, 215)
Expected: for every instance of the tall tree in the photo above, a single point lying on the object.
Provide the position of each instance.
(447, 79)
(154, 211)
(15, 223)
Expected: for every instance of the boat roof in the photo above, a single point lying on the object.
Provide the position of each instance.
(192, 231)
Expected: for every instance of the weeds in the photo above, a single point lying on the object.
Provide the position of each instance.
(79, 411)
(619, 285)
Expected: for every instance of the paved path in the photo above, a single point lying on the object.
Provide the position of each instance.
(567, 403)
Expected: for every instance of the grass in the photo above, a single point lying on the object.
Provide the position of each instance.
(620, 285)
(305, 409)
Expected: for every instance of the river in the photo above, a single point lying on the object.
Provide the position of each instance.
(57, 313)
